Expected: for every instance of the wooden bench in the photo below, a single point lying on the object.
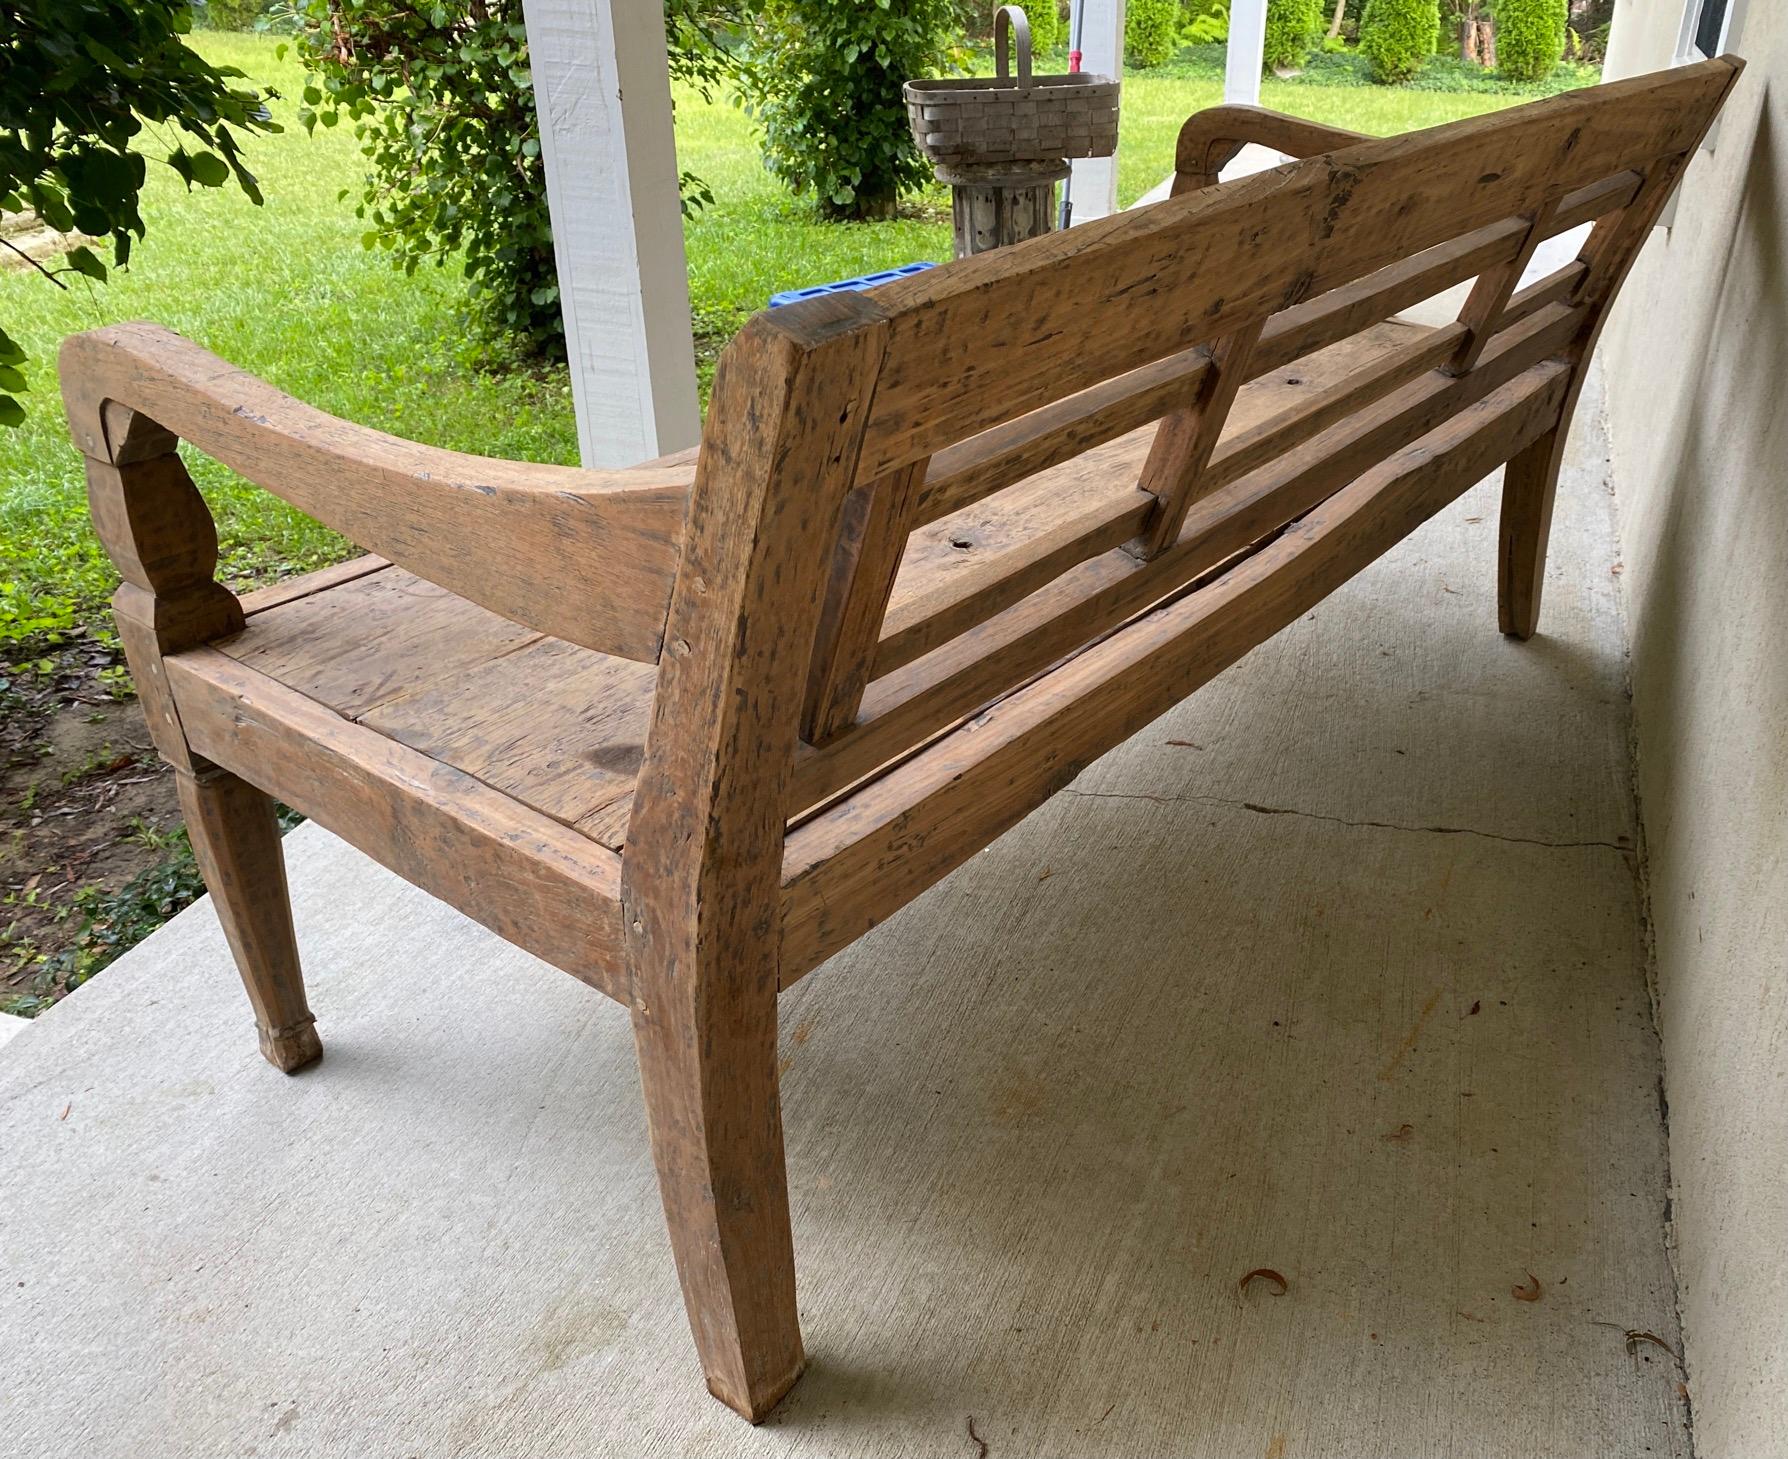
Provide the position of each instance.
(688, 729)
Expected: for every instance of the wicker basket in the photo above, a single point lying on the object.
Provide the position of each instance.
(979, 119)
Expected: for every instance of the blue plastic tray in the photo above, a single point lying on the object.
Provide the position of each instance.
(849, 286)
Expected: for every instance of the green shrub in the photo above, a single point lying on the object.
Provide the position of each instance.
(442, 102)
(231, 14)
(441, 99)
(1207, 22)
(1046, 27)
(1293, 28)
(824, 84)
(78, 80)
(1530, 37)
(1397, 37)
(1151, 31)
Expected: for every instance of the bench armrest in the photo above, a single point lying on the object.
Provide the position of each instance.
(587, 556)
(1211, 138)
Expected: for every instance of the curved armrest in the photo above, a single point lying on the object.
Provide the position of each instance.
(587, 556)
(1211, 138)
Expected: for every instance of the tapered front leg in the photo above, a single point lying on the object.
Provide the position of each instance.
(235, 838)
(1529, 484)
(716, 1125)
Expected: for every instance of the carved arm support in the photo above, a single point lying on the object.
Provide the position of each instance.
(1211, 138)
(588, 556)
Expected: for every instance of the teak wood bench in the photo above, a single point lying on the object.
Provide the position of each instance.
(687, 730)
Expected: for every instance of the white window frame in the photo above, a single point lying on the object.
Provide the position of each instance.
(1686, 54)
(1686, 51)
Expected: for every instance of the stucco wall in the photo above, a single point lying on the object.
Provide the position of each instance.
(1697, 360)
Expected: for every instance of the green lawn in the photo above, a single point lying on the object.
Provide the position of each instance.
(287, 291)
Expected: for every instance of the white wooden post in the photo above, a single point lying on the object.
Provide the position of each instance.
(1247, 52)
(1101, 53)
(611, 183)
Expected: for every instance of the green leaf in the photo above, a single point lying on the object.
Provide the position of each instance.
(12, 379)
(83, 260)
(11, 412)
(209, 170)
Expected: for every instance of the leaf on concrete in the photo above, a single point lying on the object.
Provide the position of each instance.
(1276, 1284)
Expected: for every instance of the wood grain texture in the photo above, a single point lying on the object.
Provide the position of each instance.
(1059, 313)
(235, 839)
(908, 706)
(850, 867)
(1532, 479)
(701, 876)
(904, 537)
(878, 517)
(155, 527)
(1174, 474)
(304, 585)
(1491, 293)
(1210, 139)
(962, 569)
(1001, 454)
(1136, 991)
(583, 555)
(526, 877)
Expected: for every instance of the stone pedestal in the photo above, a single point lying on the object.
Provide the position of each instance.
(996, 203)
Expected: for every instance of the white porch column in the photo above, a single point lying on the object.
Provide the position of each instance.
(611, 183)
(1102, 53)
(1247, 52)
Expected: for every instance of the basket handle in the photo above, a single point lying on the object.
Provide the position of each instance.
(1006, 19)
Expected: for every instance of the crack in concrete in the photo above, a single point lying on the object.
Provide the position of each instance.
(1273, 810)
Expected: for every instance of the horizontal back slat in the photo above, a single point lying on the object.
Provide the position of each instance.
(971, 469)
(988, 338)
(910, 703)
(1034, 372)
(918, 624)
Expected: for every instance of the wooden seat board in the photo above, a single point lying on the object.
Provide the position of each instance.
(358, 643)
(523, 875)
(555, 725)
(559, 727)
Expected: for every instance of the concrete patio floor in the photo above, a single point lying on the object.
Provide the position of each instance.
(1337, 970)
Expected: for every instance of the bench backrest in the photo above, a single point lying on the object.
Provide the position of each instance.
(839, 426)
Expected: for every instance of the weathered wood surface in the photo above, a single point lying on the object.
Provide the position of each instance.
(526, 877)
(853, 865)
(235, 839)
(702, 875)
(1255, 974)
(971, 469)
(1002, 206)
(934, 556)
(583, 555)
(1210, 139)
(1061, 313)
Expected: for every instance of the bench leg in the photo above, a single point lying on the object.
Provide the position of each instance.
(716, 1124)
(1529, 483)
(236, 840)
